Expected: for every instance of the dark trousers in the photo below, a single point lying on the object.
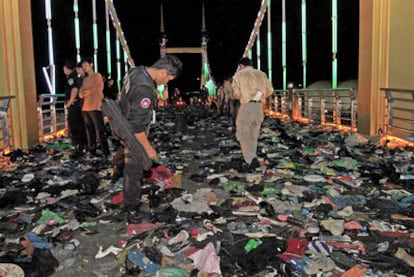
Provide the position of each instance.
(234, 109)
(76, 127)
(133, 173)
(95, 131)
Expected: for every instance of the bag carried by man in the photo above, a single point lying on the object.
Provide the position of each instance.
(120, 128)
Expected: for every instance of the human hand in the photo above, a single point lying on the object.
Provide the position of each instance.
(152, 154)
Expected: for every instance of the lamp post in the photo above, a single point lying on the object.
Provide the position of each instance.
(290, 101)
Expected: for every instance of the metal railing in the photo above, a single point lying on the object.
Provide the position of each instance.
(4, 125)
(52, 114)
(399, 118)
(337, 107)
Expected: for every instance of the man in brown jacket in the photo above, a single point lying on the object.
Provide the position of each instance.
(92, 94)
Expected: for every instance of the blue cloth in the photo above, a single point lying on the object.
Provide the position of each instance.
(37, 241)
(349, 200)
(143, 262)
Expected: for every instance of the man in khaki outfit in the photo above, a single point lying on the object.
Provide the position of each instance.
(251, 87)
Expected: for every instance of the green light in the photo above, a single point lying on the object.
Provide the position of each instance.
(77, 35)
(118, 61)
(108, 41)
(269, 42)
(77, 40)
(108, 52)
(77, 30)
(334, 43)
(304, 39)
(210, 87)
(95, 45)
(75, 6)
(126, 55)
(160, 89)
(284, 42)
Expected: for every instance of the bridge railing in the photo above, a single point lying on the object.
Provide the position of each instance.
(399, 118)
(4, 122)
(52, 114)
(336, 107)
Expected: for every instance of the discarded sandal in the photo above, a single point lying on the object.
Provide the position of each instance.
(103, 253)
(210, 226)
(72, 244)
(143, 262)
(8, 269)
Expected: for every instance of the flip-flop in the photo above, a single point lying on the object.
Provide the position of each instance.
(27, 177)
(143, 262)
(72, 244)
(314, 178)
(12, 270)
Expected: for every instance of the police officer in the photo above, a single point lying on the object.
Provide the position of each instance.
(74, 105)
(138, 101)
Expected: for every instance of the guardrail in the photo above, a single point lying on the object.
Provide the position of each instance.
(4, 126)
(52, 114)
(399, 118)
(336, 107)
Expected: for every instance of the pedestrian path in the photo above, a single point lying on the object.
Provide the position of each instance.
(320, 203)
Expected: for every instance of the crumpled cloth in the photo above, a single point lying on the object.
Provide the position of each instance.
(37, 241)
(200, 203)
(355, 139)
(137, 229)
(206, 259)
(48, 215)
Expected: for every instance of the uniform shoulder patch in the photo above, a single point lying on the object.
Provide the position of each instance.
(145, 103)
(71, 81)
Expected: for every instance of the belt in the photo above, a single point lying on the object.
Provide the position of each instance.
(254, 101)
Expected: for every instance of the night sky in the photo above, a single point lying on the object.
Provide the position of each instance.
(228, 23)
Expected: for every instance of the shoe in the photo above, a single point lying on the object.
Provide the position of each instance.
(246, 168)
(255, 163)
(180, 237)
(111, 249)
(140, 217)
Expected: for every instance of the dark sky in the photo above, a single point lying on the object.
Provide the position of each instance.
(228, 23)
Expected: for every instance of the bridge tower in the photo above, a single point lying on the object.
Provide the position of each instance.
(205, 77)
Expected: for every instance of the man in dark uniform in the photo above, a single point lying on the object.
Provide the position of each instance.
(74, 105)
(138, 101)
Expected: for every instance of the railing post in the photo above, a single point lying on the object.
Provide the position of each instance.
(322, 97)
(275, 102)
(40, 116)
(310, 107)
(283, 106)
(353, 110)
(388, 96)
(336, 108)
(48, 116)
(4, 122)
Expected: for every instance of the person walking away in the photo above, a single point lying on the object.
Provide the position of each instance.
(226, 98)
(110, 88)
(74, 105)
(92, 94)
(233, 102)
(138, 103)
(219, 99)
(251, 87)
